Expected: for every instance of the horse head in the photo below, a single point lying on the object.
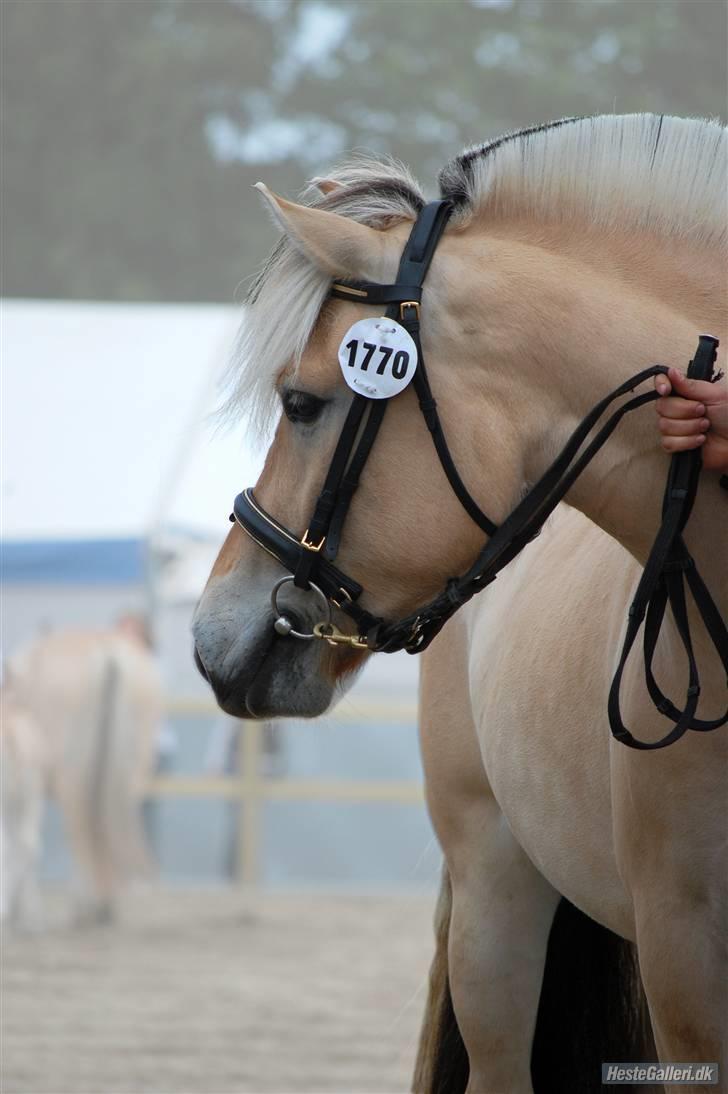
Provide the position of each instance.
(518, 331)
(405, 533)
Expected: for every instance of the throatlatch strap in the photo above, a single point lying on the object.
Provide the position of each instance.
(428, 406)
(417, 631)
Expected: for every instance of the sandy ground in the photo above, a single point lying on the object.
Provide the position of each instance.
(216, 991)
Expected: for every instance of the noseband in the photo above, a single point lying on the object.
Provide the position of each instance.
(310, 559)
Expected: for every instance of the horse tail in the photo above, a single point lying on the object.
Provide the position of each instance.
(113, 807)
(592, 1008)
(442, 1062)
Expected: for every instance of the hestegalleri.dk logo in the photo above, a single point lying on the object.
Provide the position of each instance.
(617, 1074)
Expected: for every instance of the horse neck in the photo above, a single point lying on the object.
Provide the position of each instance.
(650, 307)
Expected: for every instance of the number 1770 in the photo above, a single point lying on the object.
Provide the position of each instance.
(400, 361)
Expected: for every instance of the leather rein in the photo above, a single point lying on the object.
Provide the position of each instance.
(310, 559)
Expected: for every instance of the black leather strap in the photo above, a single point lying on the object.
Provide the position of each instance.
(355, 442)
(319, 524)
(423, 241)
(417, 631)
(269, 534)
(350, 479)
(413, 268)
(310, 559)
(428, 407)
(369, 292)
(413, 264)
(667, 569)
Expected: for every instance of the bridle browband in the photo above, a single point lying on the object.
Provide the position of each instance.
(310, 560)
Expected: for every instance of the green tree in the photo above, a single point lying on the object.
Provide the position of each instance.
(132, 131)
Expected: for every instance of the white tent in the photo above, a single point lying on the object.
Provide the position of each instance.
(112, 458)
(107, 420)
(110, 448)
(116, 489)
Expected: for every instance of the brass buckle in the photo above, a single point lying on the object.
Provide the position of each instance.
(409, 304)
(315, 547)
(344, 595)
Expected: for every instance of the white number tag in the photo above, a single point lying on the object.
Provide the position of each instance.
(378, 357)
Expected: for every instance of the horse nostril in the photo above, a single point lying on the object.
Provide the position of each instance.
(201, 666)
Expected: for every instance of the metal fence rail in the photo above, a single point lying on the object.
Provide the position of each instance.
(251, 787)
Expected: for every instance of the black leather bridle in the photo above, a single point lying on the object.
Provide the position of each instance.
(310, 560)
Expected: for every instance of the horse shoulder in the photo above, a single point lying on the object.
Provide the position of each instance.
(538, 703)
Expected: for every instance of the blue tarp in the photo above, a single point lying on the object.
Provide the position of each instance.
(72, 562)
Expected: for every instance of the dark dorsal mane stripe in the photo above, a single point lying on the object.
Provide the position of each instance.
(449, 178)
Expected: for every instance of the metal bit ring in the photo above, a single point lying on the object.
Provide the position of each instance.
(283, 625)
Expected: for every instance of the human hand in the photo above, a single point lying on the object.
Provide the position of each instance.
(694, 414)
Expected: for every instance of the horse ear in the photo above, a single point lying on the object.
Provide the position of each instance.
(326, 186)
(338, 245)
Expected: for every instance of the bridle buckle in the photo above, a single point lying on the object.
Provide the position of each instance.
(315, 547)
(409, 304)
(344, 596)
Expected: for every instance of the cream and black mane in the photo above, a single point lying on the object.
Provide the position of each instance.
(635, 172)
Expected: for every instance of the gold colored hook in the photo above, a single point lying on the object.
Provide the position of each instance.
(331, 634)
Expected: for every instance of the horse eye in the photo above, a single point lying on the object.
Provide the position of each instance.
(299, 406)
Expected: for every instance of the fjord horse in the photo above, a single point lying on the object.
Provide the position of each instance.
(577, 254)
(81, 711)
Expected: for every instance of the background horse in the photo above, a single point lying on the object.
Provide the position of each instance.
(24, 768)
(81, 710)
(577, 254)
